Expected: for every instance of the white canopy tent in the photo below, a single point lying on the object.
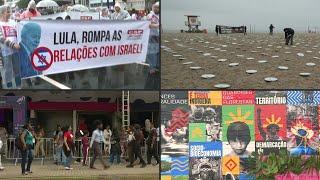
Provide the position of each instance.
(47, 4)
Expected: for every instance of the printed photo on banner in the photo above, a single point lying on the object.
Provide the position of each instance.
(238, 130)
(302, 129)
(175, 123)
(270, 128)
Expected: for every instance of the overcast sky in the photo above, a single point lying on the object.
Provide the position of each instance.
(260, 13)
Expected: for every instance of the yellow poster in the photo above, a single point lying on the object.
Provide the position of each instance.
(231, 165)
(203, 98)
(165, 177)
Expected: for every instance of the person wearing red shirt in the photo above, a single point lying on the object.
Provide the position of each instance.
(85, 147)
(30, 12)
(68, 146)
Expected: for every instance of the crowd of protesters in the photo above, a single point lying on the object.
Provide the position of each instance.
(122, 146)
(12, 58)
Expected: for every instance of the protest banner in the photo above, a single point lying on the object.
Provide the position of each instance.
(51, 47)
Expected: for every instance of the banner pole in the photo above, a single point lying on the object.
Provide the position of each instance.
(53, 82)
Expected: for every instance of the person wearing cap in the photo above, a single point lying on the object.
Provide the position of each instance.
(119, 14)
(10, 70)
(153, 55)
(31, 11)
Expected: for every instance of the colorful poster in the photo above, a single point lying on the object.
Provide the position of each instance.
(211, 116)
(270, 122)
(238, 130)
(303, 97)
(302, 129)
(174, 123)
(174, 165)
(197, 132)
(231, 165)
(205, 149)
(205, 168)
(204, 97)
(238, 97)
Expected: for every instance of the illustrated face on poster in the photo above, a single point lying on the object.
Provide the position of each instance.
(270, 122)
(205, 168)
(174, 123)
(238, 130)
(302, 131)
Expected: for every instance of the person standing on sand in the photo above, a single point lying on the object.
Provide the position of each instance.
(288, 34)
(217, 30)
(271, 27)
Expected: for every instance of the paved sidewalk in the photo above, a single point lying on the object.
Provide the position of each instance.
(52, 171)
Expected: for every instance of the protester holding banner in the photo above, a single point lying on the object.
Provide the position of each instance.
(30, 12)
(11, 65)
(105, 14)
(134, 15)
(119, 14)
(153, 56)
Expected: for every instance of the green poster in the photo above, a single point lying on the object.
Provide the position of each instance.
(197, 132)
(240, 116)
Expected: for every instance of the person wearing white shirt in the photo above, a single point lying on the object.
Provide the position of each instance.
(107, 135)
(119, 14)
(105, 14)
(96, 143)
(134, 15)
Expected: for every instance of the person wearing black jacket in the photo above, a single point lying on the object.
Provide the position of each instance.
(138, 136)
(115, 150)
(152, 145)
(288, 34)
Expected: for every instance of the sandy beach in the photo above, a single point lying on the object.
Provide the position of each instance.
(228, 57)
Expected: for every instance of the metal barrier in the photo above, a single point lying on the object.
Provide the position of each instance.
(45, 149)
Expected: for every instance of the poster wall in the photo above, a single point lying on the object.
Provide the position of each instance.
(220, 129)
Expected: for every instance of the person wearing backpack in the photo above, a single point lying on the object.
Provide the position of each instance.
(27, 141)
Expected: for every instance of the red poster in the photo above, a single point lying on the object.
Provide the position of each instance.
(238, 97)
(270, 122)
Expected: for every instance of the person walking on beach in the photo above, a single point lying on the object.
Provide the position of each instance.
(288, 34)
(271, 27)
(217, 30)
